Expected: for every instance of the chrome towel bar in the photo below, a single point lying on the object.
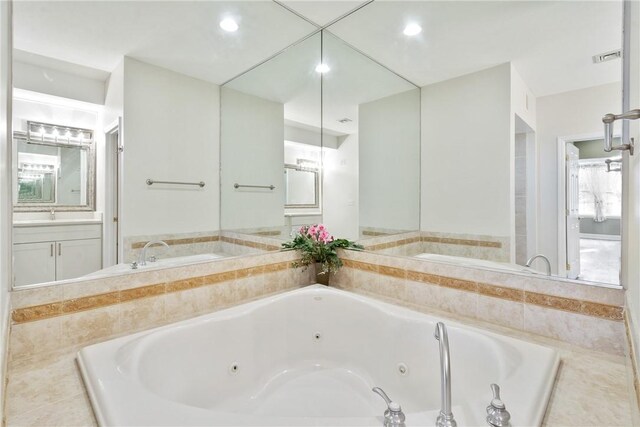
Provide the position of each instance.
(270, 187)
(608, 120)
(608, 163)
(153, 181)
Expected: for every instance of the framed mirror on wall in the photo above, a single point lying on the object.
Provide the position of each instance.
(55, 168)
(302, 185)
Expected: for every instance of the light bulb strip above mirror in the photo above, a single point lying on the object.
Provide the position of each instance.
(38, 132)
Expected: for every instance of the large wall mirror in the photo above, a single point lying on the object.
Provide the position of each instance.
(344, 128)
(480, 135)
(116, 115)
(512, 156)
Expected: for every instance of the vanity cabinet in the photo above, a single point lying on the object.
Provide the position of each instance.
(47, 253)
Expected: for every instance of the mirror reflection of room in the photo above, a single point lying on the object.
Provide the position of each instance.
(459, 159)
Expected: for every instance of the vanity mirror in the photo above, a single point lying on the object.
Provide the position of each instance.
(55, 168)
(302, 185)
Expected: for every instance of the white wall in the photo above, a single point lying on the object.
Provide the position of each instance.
(42, 79)
(114, 95)
(570, 114)
(310, 136)
(340, 189)
(523, 101)
(171, 124)
(467, 151)
(6, 202)
(252, 153)
(54, 110)
(389, 162)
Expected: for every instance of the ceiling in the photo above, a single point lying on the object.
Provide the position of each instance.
(322, 12)
(183, 36)
(549, 42)
(353, 80)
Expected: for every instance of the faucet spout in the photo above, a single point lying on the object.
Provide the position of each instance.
(546, 260)
(142, 260)
(445, 418)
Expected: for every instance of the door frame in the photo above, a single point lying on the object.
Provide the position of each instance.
(113, 250)
(562, 142)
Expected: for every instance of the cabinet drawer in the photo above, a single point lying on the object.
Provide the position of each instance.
(58, 233)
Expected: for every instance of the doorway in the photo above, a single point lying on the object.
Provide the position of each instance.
(113, 180)
(592, 211)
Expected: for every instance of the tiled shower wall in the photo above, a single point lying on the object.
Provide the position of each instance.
(587, 316)
(521, 197)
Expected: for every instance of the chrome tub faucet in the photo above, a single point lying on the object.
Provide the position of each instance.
(142, 260)
(546, 260)
(393, 416)
(445, 418)
(497, 414)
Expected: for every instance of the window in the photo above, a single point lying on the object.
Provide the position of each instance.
(596, 183)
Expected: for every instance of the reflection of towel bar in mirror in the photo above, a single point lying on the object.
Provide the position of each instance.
(152, 181)
(270, 187)
(615, 169)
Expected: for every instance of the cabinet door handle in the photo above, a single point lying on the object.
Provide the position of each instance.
(52, 249)
(59, 248)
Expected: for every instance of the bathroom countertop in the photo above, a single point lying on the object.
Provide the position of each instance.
(591, 388)
(49, 222)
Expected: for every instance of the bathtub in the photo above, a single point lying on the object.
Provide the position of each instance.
(310, 357)
(160, 263)
(474, 262)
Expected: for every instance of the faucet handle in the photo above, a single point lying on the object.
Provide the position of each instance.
(497, 414)
(393, 416)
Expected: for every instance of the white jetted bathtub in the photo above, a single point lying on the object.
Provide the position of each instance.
(310, 357)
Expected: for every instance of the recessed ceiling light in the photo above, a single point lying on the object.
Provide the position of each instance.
(322, 68)
(412, 30)
(229, 25)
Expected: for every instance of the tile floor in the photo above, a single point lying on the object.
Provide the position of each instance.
(600, 261)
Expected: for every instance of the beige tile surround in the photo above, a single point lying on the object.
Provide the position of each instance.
(590, 388)
(45, 389)
(49, 318)
(184, 244)
(583, 315)
(492, 248)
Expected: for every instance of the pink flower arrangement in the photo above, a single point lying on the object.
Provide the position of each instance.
(317, 233)
(317, 245)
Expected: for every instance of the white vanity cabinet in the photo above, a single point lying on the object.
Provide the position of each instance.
(51, 251)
